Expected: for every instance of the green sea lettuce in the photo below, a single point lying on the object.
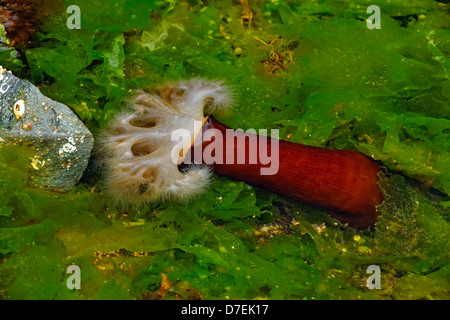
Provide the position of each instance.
(311, 69)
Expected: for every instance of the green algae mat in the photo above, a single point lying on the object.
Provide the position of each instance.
(316, 71)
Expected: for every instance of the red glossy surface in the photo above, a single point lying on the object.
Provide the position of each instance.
(341, 181)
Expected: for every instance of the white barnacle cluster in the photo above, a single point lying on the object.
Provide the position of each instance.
(137, 149)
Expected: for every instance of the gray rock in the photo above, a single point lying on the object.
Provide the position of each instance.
(60, 142)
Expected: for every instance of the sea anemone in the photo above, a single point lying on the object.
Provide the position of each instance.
(137, 150)
(143, 148)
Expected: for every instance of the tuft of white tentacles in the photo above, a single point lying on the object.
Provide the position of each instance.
(138, 152)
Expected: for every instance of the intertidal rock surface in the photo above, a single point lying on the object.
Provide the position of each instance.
(61, 144)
